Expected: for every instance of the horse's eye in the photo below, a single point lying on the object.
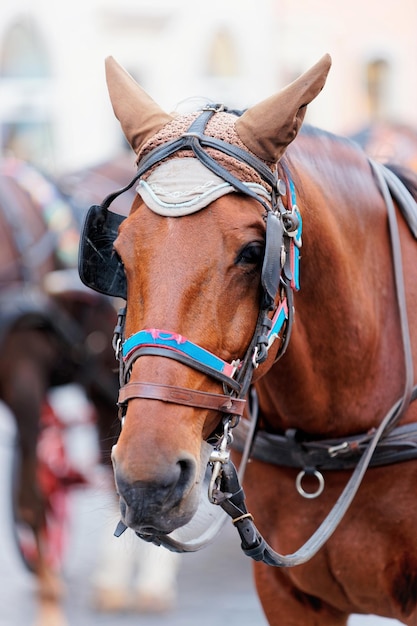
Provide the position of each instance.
(252, 254)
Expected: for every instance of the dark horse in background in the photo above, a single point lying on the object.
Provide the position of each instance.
(389, 142)
(52, 332)
(208, 260)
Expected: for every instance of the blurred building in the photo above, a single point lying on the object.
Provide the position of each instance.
(54, 108)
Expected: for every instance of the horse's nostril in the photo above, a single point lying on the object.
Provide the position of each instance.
(186, 473)
(123, 487)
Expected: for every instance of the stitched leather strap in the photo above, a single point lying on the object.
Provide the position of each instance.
(181, 358)
(181, 395)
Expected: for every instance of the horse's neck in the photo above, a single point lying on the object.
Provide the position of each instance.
(343, 367)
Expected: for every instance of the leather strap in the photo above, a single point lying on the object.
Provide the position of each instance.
(406, 204)
(291, 450)
(181, 395)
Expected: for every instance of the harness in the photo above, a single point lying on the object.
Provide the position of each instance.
(102, 270)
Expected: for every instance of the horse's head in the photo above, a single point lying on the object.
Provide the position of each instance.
(201, 253)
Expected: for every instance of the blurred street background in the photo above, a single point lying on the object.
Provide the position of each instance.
(56, 116)
(54, 107)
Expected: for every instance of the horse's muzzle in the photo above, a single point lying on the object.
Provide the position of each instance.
(162, 503)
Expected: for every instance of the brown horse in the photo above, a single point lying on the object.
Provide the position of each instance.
(389, 142)
(31, 347)
(208, 261)
(50, 329)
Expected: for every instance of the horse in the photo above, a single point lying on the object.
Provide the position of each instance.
(50, 336)
(268, 272)
(389, 142)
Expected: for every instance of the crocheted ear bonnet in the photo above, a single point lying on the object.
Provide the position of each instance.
(178, 183)
(181, 184)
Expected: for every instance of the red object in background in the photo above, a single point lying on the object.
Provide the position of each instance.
(56, 476)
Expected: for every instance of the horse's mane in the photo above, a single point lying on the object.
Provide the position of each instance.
(406, 175)
(314, 131)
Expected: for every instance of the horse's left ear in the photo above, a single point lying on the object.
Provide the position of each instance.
(139, 115)
(267, 128)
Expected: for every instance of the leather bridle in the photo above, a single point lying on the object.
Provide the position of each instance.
(283, 238)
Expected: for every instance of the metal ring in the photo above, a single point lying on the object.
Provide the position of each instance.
(313, 494)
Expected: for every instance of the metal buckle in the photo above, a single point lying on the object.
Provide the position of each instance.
(290, 222)
(217, 108)
(218, 457)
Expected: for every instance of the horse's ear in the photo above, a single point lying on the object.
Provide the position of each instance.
(140, 117)
(267, 128)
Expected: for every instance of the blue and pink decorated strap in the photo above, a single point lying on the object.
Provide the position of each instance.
(173, 341)
(295, 243)
(154, 337)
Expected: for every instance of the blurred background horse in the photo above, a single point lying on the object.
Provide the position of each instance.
(52, 332)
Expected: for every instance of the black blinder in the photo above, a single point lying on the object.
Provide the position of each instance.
(99, 266)
(271, 269)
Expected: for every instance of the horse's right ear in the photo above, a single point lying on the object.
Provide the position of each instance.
(267, 128)
(140, 117)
